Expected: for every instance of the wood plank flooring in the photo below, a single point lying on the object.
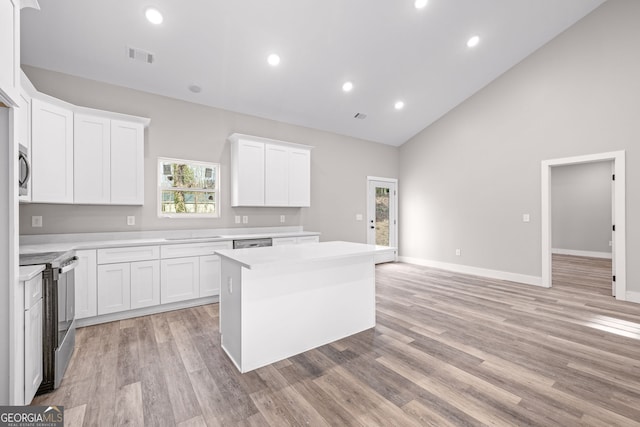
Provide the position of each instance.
(448, 350)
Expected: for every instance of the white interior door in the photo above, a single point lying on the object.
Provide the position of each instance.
(382, 221)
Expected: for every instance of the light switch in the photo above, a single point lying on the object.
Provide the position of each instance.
(131, 220)
(526, 218)
(237, 219)
(458, 252)
(281, 218)
(245, 219)
(36, 221)
(358, 217)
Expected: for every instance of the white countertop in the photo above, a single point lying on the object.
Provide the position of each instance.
(61, 242)
(29, 272)
(253, 258)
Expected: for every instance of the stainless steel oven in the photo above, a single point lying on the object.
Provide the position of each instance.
(24, 170)
(59, 328)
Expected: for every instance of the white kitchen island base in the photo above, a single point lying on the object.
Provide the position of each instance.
(281, 301)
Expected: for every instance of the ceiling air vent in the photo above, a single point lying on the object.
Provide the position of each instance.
(140, 55)
(360, 116)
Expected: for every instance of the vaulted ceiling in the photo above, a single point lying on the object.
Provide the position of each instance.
(388, 49)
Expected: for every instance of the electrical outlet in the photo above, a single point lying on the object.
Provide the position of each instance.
(358, 217)
(458, 252)
(131, 220)
(610, 243)
(237, 219)
(245, 219)
(526, 218)
(36, 221)
(282, 218)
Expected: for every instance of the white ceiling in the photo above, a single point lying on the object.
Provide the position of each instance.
(389, 50)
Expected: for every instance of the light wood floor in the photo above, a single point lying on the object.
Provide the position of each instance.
(448, 350)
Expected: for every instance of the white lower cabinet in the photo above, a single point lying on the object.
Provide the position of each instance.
(114, 287)
(145, 284)
(86, 284)
(32, 337)
(209, 275)
(180, 279)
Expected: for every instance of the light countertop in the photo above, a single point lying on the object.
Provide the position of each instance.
(265, 257)
(56, 243)
(29, 272)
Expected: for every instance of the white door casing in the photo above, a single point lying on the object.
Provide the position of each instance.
(619, 215)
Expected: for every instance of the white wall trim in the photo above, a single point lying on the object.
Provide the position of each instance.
(633, 297)
(475, 271)
(619, 242)
(575, 252)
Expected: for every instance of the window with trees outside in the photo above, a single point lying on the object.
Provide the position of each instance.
(188, 189)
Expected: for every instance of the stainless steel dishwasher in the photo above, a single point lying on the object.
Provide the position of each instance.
(252, 243)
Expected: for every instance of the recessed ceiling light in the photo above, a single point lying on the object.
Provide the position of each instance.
(473, 41)
(347, 86)
(273, 59)
(153, 15)
(399, 105)
(419, 4)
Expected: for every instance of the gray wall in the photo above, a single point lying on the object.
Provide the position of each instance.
(581, 207)
(466, 180)
(179, 129)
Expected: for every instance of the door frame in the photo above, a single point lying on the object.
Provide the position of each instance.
(370, 215)
(619, 219)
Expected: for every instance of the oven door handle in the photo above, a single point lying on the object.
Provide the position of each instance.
(67, 268)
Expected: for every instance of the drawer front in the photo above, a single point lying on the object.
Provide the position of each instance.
(32, 291)
(280, 241)
(308, 239)
(128, 254)
(193, 249)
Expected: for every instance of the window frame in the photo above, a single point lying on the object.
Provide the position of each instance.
(186, 215)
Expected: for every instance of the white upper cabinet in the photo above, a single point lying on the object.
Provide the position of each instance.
(9, 51)
(51, 153)
(266, 172)
(247, 173)
(127, 163)
(299, 177)
(91, 159)
(276, 182)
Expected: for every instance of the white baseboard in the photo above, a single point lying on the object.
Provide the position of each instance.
(476, 271)
(632, 296)
(591, 254)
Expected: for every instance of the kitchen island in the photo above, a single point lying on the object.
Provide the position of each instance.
(276, 302)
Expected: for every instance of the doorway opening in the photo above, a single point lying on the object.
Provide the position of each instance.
(618, 279)
(582, 214)
(382, 215)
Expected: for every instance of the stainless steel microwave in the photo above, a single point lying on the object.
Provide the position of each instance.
(24, 173)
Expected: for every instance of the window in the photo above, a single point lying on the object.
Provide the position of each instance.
(188, 189)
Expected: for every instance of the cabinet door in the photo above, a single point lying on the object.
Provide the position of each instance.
(179, 279)
(51, 153)
(91, 159)
(299, 177)
(9, 51)
(32, 351)
(86, 284)
(145, 284)
(276, 173)
(127, 163)
(209, 275)
(247, 173)
(114, 288)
